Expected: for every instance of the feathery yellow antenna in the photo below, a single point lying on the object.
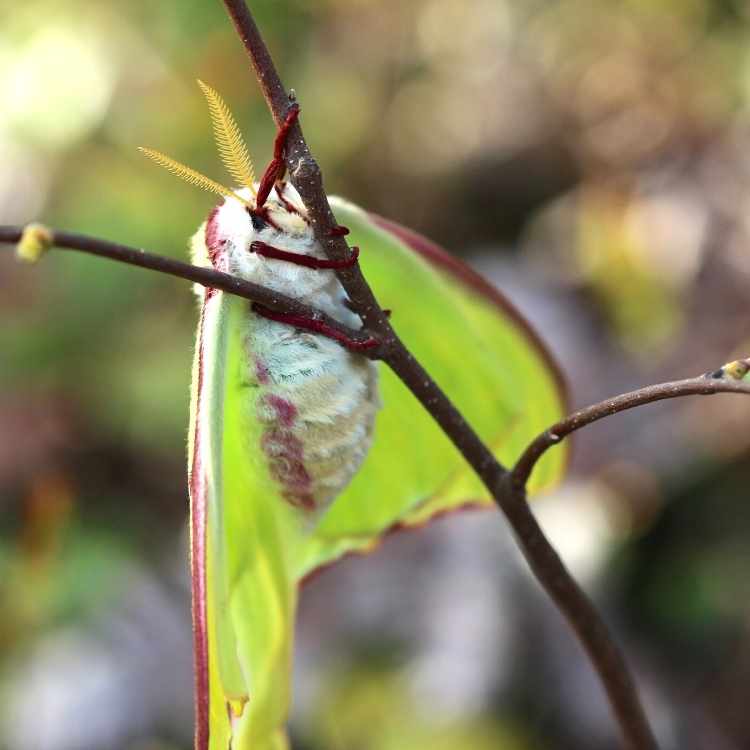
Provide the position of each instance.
(191, 176)
(229, 141)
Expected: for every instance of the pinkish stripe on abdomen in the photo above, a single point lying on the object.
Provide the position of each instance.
(284, 450)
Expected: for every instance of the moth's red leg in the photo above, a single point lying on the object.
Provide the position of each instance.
(316, 326)
(279, 142)
(280, 186)
(269, 251)
(275, 169)
(339, 231)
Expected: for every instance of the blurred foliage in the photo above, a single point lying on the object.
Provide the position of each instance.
(591, 155)
(373, 710)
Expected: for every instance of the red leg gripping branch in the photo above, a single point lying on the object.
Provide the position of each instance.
(316, 326)
(269, 251)
(275, 170)
(272, 174)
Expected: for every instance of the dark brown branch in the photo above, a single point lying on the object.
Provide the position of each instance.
(541, 556)
(205, 276)
(305, 173)
(705, 385)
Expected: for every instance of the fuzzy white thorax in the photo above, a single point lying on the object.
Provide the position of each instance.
(287, 230)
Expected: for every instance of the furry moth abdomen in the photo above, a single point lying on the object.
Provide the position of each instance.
(316, 401)
(317, 405)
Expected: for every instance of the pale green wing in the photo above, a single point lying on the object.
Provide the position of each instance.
(250, 548)
(250, 534)
(479, 350)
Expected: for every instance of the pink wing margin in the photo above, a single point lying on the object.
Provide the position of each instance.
(198, 513)
(450, 265)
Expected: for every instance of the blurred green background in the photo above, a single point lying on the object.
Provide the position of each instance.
(590, 157)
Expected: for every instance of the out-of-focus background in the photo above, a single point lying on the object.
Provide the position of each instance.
(592, 158)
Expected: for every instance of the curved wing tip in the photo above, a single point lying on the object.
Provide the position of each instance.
(438, 256)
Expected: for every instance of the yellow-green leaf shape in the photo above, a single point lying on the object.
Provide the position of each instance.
(481, 352)
(250, 549)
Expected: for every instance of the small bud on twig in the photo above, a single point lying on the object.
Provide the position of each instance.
(35, 241)
(736, 370)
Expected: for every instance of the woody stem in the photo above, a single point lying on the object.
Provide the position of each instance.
(276, 302)
(546, 565)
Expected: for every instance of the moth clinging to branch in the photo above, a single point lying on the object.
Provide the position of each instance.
(289, 467)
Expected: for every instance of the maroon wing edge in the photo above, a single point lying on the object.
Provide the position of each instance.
(443, 260)
(198, 510)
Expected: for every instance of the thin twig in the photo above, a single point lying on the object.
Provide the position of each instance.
(705, 385)
(305, 173)
(546, 565)
(205, 276)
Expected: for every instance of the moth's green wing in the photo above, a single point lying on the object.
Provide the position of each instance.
(246, 626)
(249, 549)
(484, 356)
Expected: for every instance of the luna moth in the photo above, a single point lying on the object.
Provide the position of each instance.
(301, 449)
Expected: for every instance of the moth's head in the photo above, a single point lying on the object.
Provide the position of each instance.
(233, 226)
(238, 221)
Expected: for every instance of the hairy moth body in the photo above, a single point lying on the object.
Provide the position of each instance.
(316, 400)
